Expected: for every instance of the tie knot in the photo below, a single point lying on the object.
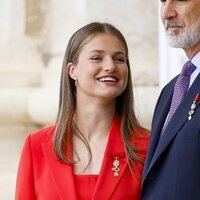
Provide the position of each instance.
(188, 68)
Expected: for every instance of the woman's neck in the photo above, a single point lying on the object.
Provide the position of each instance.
(94, 121)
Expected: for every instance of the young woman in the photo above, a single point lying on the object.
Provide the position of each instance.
(97, 148)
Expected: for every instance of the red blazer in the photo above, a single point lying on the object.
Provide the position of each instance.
(42, 176)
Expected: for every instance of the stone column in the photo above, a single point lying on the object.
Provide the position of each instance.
(63, 18)
(20, 70)
(20, 65)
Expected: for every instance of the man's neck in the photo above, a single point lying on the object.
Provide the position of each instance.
(192, 51)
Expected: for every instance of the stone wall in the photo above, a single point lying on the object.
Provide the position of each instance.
(31, 54)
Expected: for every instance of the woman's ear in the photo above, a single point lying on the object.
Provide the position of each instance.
(71, 70)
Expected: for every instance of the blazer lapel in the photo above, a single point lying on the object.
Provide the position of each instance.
(62, 173)
(115, 148)
(175, 125)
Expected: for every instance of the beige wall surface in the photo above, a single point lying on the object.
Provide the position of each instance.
(33, 37)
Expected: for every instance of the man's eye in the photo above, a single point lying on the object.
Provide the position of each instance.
(162, 1)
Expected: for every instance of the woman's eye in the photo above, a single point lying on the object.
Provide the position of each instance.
(120, 60)
(97, 58)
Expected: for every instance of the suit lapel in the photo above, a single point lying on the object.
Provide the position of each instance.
(158, 121)
(62, 173)
(115, 148)
(175, 125)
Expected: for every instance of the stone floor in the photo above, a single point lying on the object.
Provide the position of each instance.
(11, 143)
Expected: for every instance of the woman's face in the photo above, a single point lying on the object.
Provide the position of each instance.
(101, 71)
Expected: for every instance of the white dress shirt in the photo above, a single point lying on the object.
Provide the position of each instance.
(196, 61)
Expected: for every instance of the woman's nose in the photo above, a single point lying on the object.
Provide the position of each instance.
(109, 65)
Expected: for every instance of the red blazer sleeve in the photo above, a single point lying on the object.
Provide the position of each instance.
(25, 178)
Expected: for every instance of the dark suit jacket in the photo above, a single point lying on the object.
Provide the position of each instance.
(172, 168)
(42, 176)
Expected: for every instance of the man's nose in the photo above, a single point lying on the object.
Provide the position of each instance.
(168, 10)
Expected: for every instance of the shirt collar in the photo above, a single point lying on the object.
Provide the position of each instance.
(196, 60)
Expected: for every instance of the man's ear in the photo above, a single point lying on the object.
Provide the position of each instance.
(71, 70)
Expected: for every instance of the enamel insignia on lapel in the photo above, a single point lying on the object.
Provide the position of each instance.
(193, 106)
(116, 166)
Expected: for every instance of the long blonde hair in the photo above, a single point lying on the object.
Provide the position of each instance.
(67, 102)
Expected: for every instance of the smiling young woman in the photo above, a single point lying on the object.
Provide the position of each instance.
(97, 148)
(101, 70)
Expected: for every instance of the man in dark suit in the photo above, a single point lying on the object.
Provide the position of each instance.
(172, 168)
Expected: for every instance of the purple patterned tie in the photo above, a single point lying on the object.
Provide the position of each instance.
(180, 89)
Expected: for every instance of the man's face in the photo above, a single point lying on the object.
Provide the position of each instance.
(181, 19)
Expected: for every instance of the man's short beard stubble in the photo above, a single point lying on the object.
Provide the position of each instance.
(185, 39)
